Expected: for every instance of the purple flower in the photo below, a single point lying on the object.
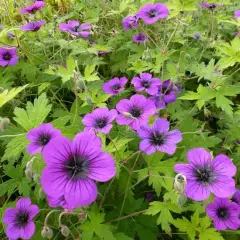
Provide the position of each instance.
(210, 6)
(73, 27)
(19, 220)
(225, 214)
(236, 33)
(135, 112)
(33, 26)
(236, 197)
(10, 35)
(55, 202)
(158, 137)
(146, 83)
(205, 176)
(100, 120)
(139, 38)
(151, 13)
(33, 8)
(237, 14)
(40, 137)
(130, 22)
(167, 93)
(73, 166)
(8, 56)
(197, 36)
(115, 85)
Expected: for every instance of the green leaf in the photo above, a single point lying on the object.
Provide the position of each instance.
(117, 144)
(7, 95)
(89, 74)
(224, 103)
(8, 186)
(34, 114)
(190, 96)
(210, 234)
(122, 236)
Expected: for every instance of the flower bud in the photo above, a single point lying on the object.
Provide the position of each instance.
(180, 183)
(207, 113)
(49, 233)
(65, 230)
(29, 174)
(44, 232)
(36, 178)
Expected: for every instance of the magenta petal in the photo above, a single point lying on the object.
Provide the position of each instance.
(102, 168)
(223, 165)
(146, 146)
(34, 148)
(161, 125)
(54, 179)
(185, 169)
(223, 187)
(23, 204)
(211, 210)
(9, 215)
(168, 148)
(57, 150)
(33, 211)
(199, 156)
(174, 137)
(123, 105)
(80, 193)
(144, 132)
(233, 223)
(85, 34)
(219, 224)
(12, 232)
(27, 231)
(197, 191)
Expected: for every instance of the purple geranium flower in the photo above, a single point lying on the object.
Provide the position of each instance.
(73, 166)
(167, 93)
(210, 6)
(40, 137)
(73, 27)
(19, 220)
(139, 38)
(158, 137)
(55, 202)
(205, 176)
(236, 197)
(197, 36)
(115, 85)
(33, 8)
(146, 82)
(8, 56)
(100, 120)
(237, 14)
(135, 112)
(130, 22)
(225, 214)
(151, 13)
(33, 26)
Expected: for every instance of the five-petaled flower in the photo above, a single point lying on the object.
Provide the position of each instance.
(135, 112)
(167, 93)
(8, 56)
(205, 175)
(72, 168)
(19, 220)
(39, 137)
(225, 214)
(139, 38)
(146, 83)
(210, 6)
(115, 85)
(73, 27)
(237, 14)
(33, 8)
(158, 137)
(33, 26)
(151, 13)
(130, 22)
(100, 120)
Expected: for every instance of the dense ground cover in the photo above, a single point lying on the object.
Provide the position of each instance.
(119, 119)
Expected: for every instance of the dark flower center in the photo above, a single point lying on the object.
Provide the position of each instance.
(101, 122)
(204, 175)
(146, 84)
(22, 218)
(153, 13)
(7, 56)
(77, 167)
(166, 90)
(76, 29)
(212, 6)
(116, 87)
(135, 111)
(157, 139)
(44, 139)
(222, 213)
(33, 10)
(36, 27)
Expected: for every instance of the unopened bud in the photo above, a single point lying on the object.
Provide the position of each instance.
(44, 232)
(49, 233)
(29, 174)
(180, 182)
(207, 113)
(36, 178)
(128, 115)
(65, 230)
